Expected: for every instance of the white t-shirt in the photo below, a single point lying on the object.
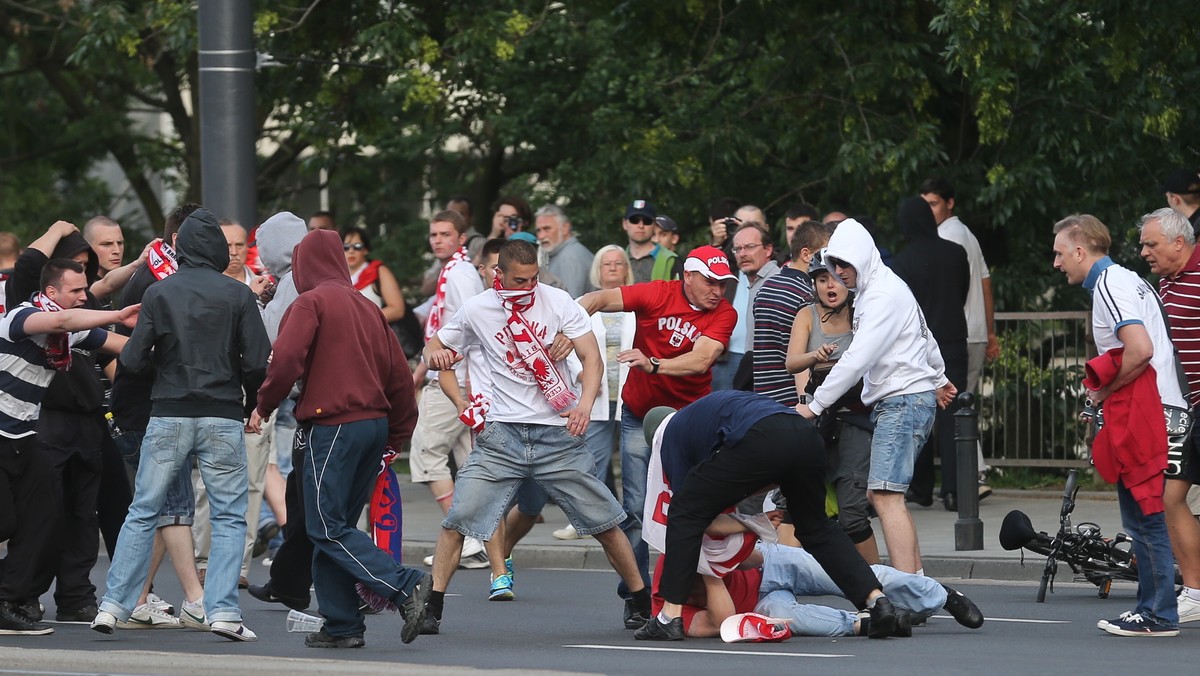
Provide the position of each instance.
(954, 230)
(481, 320)
(1121, 298)
(462, 282)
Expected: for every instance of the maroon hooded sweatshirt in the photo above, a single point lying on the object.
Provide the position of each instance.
(338, 344)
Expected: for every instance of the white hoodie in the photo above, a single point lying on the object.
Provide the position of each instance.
(893, 351)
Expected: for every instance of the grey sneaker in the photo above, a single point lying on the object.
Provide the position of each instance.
(415, 609)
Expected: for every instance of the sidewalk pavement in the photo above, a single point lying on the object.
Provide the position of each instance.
(935, 529)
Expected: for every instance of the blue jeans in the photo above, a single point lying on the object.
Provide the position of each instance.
(598, 439)
(179, 506)
(902, 424)
(285, 434)
(789, 572)
(724, 371)
(341, 463)
(510, 455)
(220, 447)
(1156, 564)
(635, 462)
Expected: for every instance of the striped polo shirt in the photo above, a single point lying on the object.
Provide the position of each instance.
(1181, 296)
(775, 308)
(24, 372)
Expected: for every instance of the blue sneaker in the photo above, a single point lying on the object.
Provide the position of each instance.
(502, 589)
(508, 568)
(1136, 625)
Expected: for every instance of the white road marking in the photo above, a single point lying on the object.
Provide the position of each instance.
(1009, 619)
(700, 651)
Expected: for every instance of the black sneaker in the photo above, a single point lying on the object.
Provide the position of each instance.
(263, 541)
(32, 609)
(883, 618)
(84, 615)
(268, 595)
(655, 630)
(962, 609)
(432, 625)
(322, 639)
(635, 617)
(14, 622)
(416, 608)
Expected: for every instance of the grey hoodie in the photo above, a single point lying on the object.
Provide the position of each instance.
(276, 238)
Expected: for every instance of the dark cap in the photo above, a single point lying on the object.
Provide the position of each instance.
(1182, 182)
(640, 208)
(666, 223)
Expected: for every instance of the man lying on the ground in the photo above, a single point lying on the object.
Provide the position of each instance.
(771, 576)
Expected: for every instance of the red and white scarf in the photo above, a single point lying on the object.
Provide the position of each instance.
(531, 354)
(439, 299)
(475, 413)
(58, 345)
(162, 260)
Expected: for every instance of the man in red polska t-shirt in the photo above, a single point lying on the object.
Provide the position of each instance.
(682, 327)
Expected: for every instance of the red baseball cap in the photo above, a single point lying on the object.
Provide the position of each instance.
(710, 262)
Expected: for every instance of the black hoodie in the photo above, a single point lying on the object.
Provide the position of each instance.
(935, 269)
(202, 330)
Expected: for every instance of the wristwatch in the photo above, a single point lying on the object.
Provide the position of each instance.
(654, 364)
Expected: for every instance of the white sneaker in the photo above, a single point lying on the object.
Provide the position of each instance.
(1189, 608)
(104, 622)
(568, 533)
(155, 601)
(147, 616)
(234, 631)
(191, 615)
(472, 557)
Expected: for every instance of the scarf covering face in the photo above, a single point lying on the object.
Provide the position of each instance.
(531, 354)
(58, 345)
(439, 300)
(162, 260)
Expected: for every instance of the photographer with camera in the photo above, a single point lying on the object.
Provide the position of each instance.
(509, 215)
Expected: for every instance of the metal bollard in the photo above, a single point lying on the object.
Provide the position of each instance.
(968, 529)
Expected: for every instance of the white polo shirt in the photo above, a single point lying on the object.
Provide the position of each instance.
(1121, 298)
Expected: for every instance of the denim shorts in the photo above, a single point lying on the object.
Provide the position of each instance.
(508, 453)
(902, 424)
(179, 509)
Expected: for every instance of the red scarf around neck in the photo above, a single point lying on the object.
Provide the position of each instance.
(58, 345)
(531, 354)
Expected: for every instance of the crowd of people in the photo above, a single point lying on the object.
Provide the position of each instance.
(228, 393)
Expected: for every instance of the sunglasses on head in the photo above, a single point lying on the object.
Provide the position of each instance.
(357, 246)
(640, 220)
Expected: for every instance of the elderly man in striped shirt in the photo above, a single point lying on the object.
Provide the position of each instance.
(1169, 246)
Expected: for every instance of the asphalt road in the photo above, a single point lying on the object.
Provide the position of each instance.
(569, 621)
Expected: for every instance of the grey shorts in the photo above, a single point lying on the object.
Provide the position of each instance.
(508, 453)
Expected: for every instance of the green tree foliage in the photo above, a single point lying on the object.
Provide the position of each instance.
(1033, 109)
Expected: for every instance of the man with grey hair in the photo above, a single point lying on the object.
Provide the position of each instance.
(1169, 246)
(565, 257)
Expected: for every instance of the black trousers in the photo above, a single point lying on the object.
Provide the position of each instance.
(116, 494)
(942, 440)
(291, 570)
(27, 516)
(780, 449)
(76, 459)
